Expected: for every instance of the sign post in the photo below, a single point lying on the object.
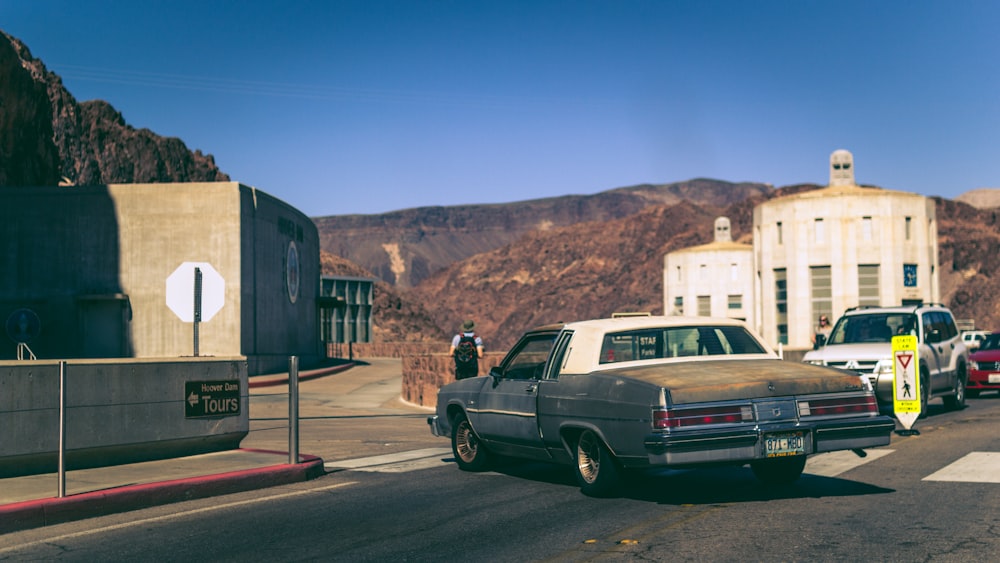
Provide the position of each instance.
(906, 382)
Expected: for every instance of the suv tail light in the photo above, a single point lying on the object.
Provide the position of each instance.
(844, 405)
(678, 418)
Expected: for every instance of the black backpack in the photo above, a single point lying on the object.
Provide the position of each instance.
(465, 353)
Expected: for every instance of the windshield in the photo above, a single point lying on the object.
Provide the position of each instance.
(992, 342)
(874, 327)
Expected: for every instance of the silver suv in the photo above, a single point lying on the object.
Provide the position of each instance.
(862, 341)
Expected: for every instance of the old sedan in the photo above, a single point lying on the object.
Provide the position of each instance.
(608, 395)
(984, 366)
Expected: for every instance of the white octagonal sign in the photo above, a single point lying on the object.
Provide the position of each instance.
(180, 291)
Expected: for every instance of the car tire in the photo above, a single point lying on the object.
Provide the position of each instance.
(957, 400)
(779, 470)
(470, 453)
(597, 471)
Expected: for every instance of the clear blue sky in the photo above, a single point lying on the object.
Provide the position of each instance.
(368, 106)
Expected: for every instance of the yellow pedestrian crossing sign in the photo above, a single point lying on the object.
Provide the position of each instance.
(905, 379)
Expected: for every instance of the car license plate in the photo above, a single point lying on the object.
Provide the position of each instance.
(994, 378)
(784, 444)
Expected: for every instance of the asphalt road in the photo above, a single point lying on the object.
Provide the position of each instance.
(917, 499)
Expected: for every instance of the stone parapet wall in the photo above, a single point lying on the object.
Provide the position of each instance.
(424, 374)
(384, 349)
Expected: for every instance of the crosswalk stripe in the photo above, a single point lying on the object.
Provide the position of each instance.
(975, 467)
(392, 463)
(831, 464)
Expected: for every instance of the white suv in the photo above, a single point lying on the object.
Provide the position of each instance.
(862, 341)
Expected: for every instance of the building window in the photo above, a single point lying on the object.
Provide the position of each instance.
(735, 302)
(704, 306)
(819, 231)
(822, 291)
(909, 222)
(909, 275)
(866, 229)
(734, 272)
(779, 233)
(678, 305)
(781, 304)
(868, 285)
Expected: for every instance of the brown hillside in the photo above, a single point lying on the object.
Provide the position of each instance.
(565, 274)
(405, 247)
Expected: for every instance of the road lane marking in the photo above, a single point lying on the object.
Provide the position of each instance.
(392, 463)
(831, 464)
(975, 467)
(171, 516)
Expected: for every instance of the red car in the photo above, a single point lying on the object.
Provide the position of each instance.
(984, 366)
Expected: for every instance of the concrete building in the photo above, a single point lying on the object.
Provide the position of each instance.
(813, 253)
(823, 251)
(714, 279)
(110, 272)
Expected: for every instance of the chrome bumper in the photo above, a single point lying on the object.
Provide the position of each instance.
(436, 429)
(746, 444)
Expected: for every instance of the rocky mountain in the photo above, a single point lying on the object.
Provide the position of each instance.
(47, 137)
(405, 247)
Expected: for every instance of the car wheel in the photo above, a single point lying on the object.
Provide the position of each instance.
(596, 469)
(470, 453)
(778, 470)
(957, 401)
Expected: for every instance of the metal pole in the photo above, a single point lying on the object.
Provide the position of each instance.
(197, 307)
(293, 409)
(61, 489)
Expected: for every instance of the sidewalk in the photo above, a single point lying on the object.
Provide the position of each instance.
(32, 501)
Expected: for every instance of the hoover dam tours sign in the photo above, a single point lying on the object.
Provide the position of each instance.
(211, 398)
(181, 291)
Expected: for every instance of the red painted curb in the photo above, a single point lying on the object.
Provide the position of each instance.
(45, 512)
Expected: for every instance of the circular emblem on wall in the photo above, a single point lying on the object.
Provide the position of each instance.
(292, 272)
(23, 325)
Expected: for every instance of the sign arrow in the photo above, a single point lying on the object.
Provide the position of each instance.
(193, 399)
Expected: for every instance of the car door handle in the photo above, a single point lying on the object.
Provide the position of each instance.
(531, 388)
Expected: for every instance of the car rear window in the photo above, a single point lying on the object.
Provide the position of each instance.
(675, 342)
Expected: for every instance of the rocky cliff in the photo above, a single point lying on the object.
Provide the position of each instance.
(47, 137)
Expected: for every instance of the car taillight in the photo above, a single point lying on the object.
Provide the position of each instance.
(843, 405)
(678, 418)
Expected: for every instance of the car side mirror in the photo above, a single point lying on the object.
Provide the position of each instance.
(496, 374)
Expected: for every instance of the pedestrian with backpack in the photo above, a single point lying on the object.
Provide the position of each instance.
(467, 348)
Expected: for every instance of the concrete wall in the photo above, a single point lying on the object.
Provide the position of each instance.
(92, 263)
(59, 258)
(281, 276)
(162, 227)
(117, 411)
